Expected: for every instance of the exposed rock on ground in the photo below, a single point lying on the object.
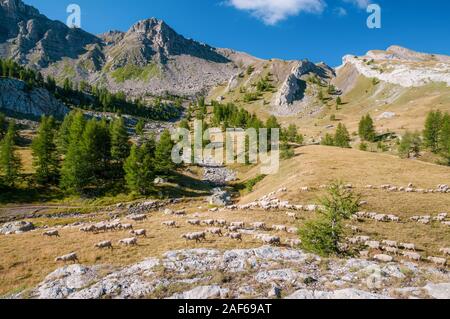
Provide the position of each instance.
(258, 273)
(16, 227)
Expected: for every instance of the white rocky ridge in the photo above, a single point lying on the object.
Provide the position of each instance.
(250, 272)
(402, 67)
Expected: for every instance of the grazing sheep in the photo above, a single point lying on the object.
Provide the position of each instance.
(51, 233)
(408, 246)
(391, 250)
(279, 228)
(69, 257)
(393, 218)
(137, 218)
(233, 228)
(412, 256)
(170, 223)
(128, 241)
(88, 229)
(381, 218)
(221, 222)
(293, 242)
(362, 239)
(126, 226)
(353, 241)
(390, 243)
(446, 223)
(292, 230)
(259, 225)
(235, 236)
(271, 240)
(304, 189)
(104, 244)
(215, 231)
(208, 222)
(238, 224)
(437, 261)
(383, 258)
(373, 244)
(168, 212)
(445, 251)
(364, 253)
(194, 222)
(292, 215)
(198, 237)
(424, 221)
(180, 213)
(139, 232)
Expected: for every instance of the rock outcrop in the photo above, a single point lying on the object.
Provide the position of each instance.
(17, 98)
(242, 273)
(16, 227)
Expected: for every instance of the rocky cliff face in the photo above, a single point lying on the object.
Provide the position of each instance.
(32, 39)
(17, 98)
(400, 66)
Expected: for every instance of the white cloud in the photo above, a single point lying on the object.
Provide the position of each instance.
(340, 11)
(274, 11)
(362, 4)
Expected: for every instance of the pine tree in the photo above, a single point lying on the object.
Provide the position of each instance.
(342, 137)
(3, 125)
(410, 145)
(75, 169)
(120, 147)
(139, 170)
(367, 129)
(63, 137)
(45, 155)
(328, 140)
(432, 130)
(10, 163)
(444, 137)
(140, 127)
(163, 155)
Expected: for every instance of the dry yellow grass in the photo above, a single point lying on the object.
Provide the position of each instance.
(28, 258)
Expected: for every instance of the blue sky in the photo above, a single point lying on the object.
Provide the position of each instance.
(320, 30)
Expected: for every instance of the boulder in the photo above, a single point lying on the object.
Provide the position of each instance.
(16, 227)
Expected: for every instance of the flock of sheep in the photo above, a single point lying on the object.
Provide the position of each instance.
(235, 230)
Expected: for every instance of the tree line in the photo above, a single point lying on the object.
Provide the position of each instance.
(87, 156)
(94, 98)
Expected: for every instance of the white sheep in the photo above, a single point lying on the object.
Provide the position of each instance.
(271, 240)
(383, 258)
(238, 224)
(391, 250)
(221, 222)
(139, 232)
(279, 228)
(51, 233)
(373, 244)
(137, 218)
(412, 256)
(292, 230)
(362, 239)
(292, 215)
(128, 241)
(437, 261)
(408, 246)
(233, 228)
(235, 236)
(293, 242)
(69, 257)
(198, 237)
(126, 226)
(208, 222)
(259, 225)
(215, 231)
(445, 251)
(104, 244)
(170, 223)
(194, 222)
(390, 243)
